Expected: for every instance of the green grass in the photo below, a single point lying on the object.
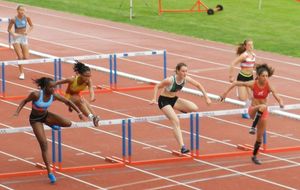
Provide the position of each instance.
(274, 28)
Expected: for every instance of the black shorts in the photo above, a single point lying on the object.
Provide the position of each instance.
(164, 101)
(38, 118)
(244, 78)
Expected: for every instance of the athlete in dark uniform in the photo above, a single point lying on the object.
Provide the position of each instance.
(168, 101)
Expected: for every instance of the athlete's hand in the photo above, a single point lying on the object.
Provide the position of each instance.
(231, 79)
(281, 105)
(208, 101)
(153, 101)
(80, 115)
(222, 98)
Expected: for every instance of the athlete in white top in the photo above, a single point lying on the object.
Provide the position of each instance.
(246, 58)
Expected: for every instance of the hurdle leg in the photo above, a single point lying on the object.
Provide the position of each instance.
(129, 140)
(265, 141)
(124, 140)
(192, 134)
(53, 150)
(59, 139)
(197, 134)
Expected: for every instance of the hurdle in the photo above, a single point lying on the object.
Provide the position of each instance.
(112, 60)
(194, 137)
(127, 152)
(198, 6)
(23, 62)
(6, 20)
(135, 54)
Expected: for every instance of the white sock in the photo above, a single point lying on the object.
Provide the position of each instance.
(91, 116)
(247, 103)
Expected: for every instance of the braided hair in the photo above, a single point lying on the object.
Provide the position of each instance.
(80, 68)
(42, 82)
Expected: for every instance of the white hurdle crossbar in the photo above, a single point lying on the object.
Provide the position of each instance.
(155, 118)
(6, 20)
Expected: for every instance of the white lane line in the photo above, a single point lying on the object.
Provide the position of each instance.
(65, 175)
(5, 187)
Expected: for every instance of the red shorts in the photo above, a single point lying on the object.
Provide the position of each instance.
(252, 112)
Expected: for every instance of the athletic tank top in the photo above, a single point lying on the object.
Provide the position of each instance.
(249, 62)
(174, 87)
(20, 23)
(40, 104)
(75, 88)
(260, 92)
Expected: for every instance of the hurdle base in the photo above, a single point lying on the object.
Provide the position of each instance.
(179, 157)
(4, 97)
(23, 174)
(43, 167)
(283, 149)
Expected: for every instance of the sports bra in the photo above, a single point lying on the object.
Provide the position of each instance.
(249, 62)
(174, 87)
(260, 92)
(20, 23)
(40, 104)
(75, 88)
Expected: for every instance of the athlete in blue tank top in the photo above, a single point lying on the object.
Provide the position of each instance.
(41, 100)
(22, 27)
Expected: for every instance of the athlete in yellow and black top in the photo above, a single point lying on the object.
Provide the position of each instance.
(77, 84)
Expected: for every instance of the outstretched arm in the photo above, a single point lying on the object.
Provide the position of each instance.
(64, 81)
(91, 90)
(70, 104)
(278, 99)
(200, 87)
(32, 96)
(236, 83)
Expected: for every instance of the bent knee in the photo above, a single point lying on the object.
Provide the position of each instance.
(263, 108)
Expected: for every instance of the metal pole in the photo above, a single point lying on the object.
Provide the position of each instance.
(131, 9)
(259, 4)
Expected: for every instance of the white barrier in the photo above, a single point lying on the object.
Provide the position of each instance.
(81, 58)
(147, 80)
(156, 118)
(140, 53)
(4, 19)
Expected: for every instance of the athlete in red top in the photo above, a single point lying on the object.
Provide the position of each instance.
(258, 110)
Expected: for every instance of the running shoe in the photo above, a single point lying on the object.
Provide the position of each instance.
(96, 120)
(184, 150)
(52, 178)
(252, 130)
(255, 160)
(22, 76)
(245, 116)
